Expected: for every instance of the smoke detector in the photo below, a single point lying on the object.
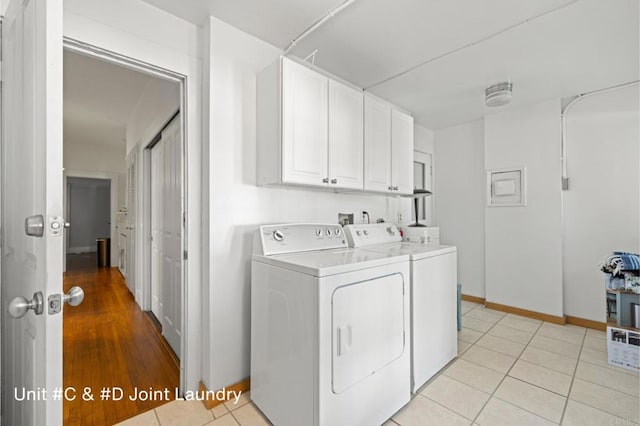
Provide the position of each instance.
(498, 94)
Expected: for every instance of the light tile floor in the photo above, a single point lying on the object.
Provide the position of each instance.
(511, 370)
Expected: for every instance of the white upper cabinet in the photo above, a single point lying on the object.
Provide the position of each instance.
(304, 125)
(402, 152)
(310, 129)
(388, 151)
(315, 131)
(377, 145)
(346, 140)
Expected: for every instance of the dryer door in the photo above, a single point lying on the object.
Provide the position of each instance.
(368, 329)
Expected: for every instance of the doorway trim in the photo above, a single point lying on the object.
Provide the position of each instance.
(190, 368)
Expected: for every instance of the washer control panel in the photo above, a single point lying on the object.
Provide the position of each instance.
(298, 237)
(369, 234)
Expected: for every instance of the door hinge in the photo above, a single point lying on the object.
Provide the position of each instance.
(185, 255)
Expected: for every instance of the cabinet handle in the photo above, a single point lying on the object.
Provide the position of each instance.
(334, 181)
(325, 180)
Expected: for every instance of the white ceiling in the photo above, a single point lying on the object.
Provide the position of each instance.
(547, 48)
(99, 98)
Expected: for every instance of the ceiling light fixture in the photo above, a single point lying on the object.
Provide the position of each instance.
(498, 94)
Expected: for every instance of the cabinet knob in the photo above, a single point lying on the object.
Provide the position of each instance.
(395, 188)
(391, 188)
(334, 181)
(325, 180)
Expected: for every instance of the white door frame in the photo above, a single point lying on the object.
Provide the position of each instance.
(190, 341)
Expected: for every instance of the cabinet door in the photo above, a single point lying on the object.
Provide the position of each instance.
(304, 125)
(346, 140)
(377, 145)
(402, 152)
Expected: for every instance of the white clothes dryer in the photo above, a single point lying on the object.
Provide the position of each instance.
(434, 337)
(329, 328)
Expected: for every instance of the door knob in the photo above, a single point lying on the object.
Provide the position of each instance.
(19, 306)
(74, 297)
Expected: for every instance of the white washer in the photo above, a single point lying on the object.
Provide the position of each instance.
(329, 328)
(434, 337)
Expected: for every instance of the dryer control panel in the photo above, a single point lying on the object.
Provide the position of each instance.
(370, 234)
(297, 237)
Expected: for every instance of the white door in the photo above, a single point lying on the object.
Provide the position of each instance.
(157, 205)
(130, 251)
(304, 125)
(377, 145)
(31, 186)
(402, 152)
(346, 140)
(166, 225)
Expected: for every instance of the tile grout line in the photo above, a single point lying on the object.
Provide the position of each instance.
(573, 378)
(445, 407)
(604, 386)
(157, 417)
(475, 419)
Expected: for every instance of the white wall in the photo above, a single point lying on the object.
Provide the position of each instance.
(101, 161)
(423, 139)
(523, 244)
(89, 211)
(137, 30)
(159, 101)
(97, 157)
(237, 206)
(459, 199)
(602, 205)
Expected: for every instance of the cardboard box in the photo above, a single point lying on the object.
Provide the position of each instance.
(623, 348)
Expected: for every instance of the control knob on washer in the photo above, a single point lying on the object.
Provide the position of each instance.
(278, 235)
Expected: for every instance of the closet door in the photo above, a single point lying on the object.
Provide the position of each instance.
(157, 217)
(170, 179)
(132, 187)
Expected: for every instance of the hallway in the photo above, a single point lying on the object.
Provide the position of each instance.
(110, 342)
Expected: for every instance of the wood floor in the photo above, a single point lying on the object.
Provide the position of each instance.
(110, 342)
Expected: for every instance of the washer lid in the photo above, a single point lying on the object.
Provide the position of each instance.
(415, 251)
(323, 263)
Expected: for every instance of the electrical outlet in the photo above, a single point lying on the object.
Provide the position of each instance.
(399, 218)
(345, 218)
